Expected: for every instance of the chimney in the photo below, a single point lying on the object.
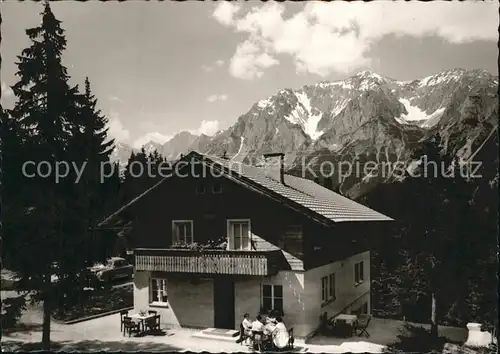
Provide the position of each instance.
(281, 164)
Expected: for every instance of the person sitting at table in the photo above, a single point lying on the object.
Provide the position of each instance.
(280, 334)
(247, 327)
(269, 328)
(257, 330)
(271, 318)
(257, 325)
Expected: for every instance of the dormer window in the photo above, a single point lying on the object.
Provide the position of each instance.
(217, 188)
(200, 189)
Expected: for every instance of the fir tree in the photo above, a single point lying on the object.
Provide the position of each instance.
(43, 226)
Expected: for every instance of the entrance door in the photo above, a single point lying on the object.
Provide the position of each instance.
(223, 303)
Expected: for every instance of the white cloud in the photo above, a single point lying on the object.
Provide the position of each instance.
(116, 99)
(209, 68)
(152, 136)
(6, 90)
(116, 128)
(214, 98)
(225, 11)
(336, 36)
(249, 61)
(208, 127)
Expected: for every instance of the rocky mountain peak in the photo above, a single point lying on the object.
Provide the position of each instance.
(366, 114)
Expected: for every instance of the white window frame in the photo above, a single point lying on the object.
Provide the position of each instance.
(359, 273)
(230, 236)
(158, 301)
(175, 240)
(272, 296)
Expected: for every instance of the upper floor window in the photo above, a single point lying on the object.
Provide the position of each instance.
(358, 273)
(200, 189)
(238, 234)
(182, 232)
(217, 187)
(272, 297)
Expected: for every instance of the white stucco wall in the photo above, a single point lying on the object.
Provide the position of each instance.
(191, 304)
(248, 297)
(348, 295)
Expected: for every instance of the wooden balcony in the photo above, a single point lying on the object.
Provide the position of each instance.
(261, 263)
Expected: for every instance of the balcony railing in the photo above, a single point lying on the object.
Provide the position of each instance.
(261, 263)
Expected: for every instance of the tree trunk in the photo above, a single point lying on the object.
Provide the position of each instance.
(434, 325)
(46, 316)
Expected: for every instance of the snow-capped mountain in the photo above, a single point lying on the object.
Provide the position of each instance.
(180, 143)
(366, 115)
(121, 153)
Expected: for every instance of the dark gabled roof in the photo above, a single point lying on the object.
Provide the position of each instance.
(298, 193)
(305, 193)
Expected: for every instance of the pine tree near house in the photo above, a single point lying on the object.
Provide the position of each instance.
(445, 239)
(95, 148)
(43, 226)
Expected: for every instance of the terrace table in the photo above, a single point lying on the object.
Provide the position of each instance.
(142, 319)
(349, 320)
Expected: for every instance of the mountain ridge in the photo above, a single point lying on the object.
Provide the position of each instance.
(364, 114)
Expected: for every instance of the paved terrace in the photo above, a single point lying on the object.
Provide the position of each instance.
(103, 334)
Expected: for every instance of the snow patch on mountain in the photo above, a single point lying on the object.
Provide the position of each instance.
(416, 114)
(343, 84)
(444, 77)
(264, 103)
(339, 107)
(433, 118)
(368, 85)
(236, 157)
(303, 114)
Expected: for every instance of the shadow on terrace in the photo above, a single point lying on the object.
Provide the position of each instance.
(91, 345)
(386, 331)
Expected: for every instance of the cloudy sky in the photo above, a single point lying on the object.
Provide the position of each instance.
(161, 67)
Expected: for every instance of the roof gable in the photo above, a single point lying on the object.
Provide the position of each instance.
(303, 192)
(300, 194)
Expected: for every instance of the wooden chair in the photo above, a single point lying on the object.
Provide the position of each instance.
(153, 324)
(243, 335)
(362, 325)
(130, 326)
(257, 340)
(152, 312)
(123, 314)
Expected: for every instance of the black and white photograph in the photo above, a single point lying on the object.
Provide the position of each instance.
(249, 176)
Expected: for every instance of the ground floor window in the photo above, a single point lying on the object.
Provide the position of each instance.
(272, 297)
(158, 290)
(328, 289)
(358, 273)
